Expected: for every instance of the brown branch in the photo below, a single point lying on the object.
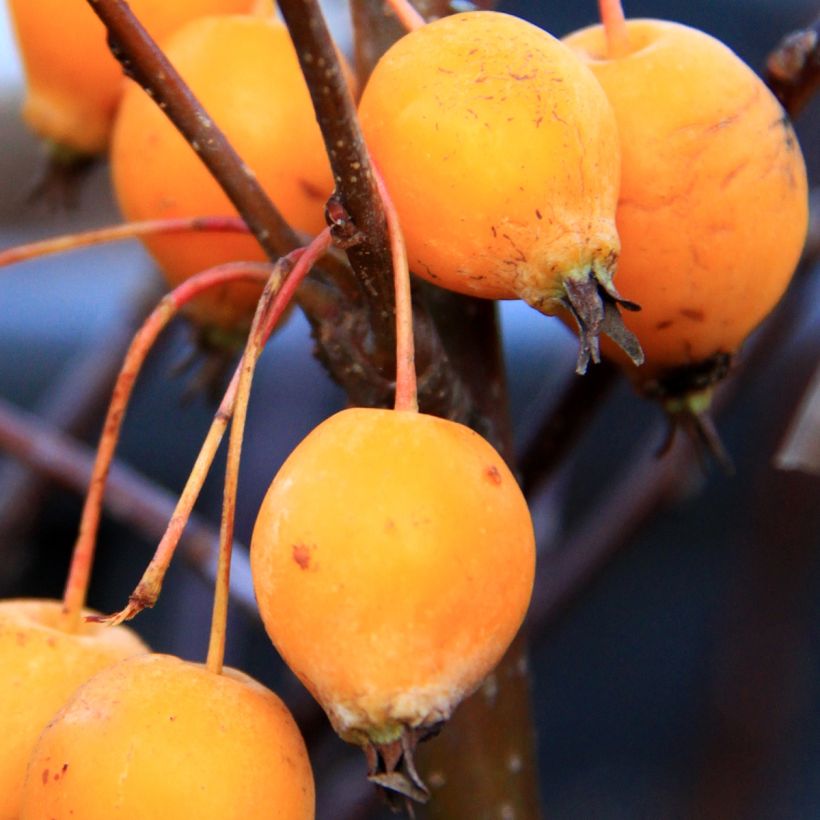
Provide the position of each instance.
(793, 68)
(130, 497)
(144, 62)
(71, 405)
(356, 193)
(801, 448)
(564, 425)
(608, 527)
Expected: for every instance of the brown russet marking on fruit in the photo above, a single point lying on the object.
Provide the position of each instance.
(301, 554)
(665, 324)
(45, 776)
(693, 314)
(493, 475)
(312, 190)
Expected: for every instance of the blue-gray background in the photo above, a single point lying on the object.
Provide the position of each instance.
(683, 683)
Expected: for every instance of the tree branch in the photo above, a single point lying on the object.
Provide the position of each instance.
(356, 192)
(129, 497)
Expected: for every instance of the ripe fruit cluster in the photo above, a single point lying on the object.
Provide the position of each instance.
(73, 82)
(93, 723)
(507, 163)
(713, 208)
(245, 72)
(393, 555)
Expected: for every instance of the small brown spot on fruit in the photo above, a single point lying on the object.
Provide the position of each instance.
(45, 776)
(301, 554)
(311, 190)
(493, 475)
(664, 324)
(693, 314)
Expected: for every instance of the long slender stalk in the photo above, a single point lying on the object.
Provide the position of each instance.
(617, 37)
(407, 14)
(117, 233)
(406, 388)
(80, 571)
(274, 301)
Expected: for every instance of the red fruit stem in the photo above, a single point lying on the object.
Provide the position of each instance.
(271, 306)
(115, 233)
(406, 387)
(617, 38)
(80, 570)
(407, 13)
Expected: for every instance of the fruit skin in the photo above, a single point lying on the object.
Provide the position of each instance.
(713, 209)
(73, 83)
(501, 154)
(393, 560)
(42, 666)
(155, 737)
(245, 72)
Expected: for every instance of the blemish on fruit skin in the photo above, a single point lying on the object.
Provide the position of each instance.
(301, 554)
(310, 189)
(45, 776)
(693, 314)
(665, 324)
(493, 475)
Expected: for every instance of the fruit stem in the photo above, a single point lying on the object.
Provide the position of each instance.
(115, 233)
(271, 306)
(617, 37)
(409, 16)
(80, 570)
(406, 387)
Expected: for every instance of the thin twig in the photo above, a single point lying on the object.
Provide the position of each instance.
(356, 193)
(116, 233)
(130, 497)
(564, 425)
(82, 558)
(73, 403)
(275, 300)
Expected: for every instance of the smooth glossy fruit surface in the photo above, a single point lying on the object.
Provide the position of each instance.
(501, 154)
(713, 206)
(41, 667)
(245, 72)
(393, 561)
(73, 83)
(155, 737)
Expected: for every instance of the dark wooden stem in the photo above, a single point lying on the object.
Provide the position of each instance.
(144, 62)
(483, 764)
(356, 191)
(565, 423)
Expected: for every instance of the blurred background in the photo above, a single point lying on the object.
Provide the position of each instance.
(675, 633)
